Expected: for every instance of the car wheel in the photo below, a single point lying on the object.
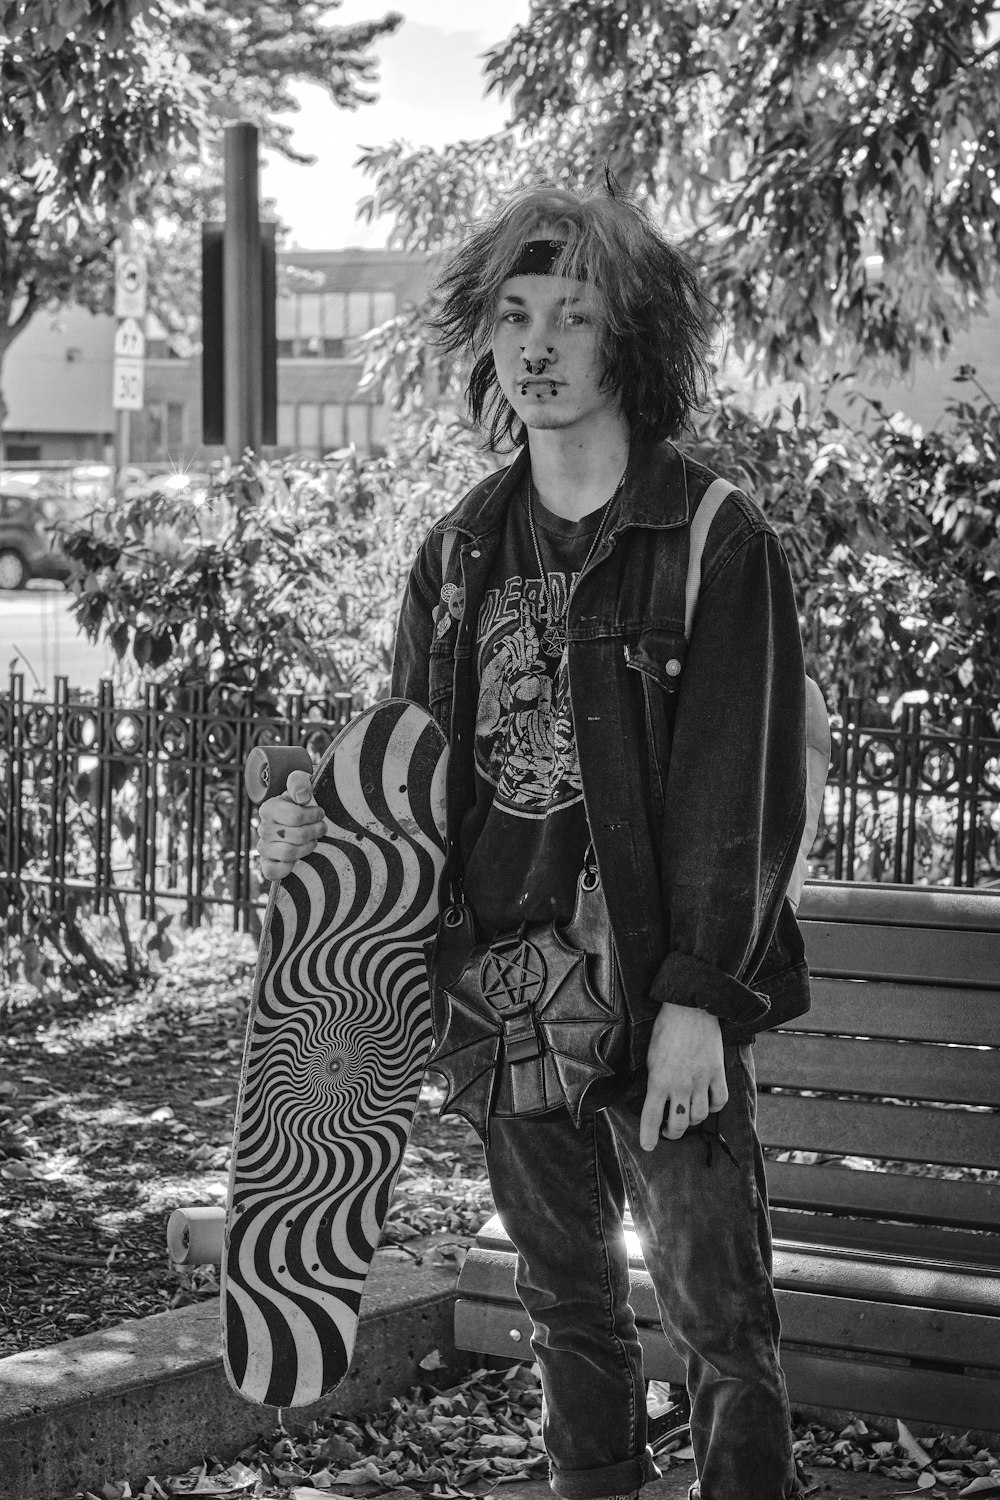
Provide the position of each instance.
(13, 569)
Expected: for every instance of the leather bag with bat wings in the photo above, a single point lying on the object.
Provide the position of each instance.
(527, 1023)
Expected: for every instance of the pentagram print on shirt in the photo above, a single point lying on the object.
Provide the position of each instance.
(525, 745)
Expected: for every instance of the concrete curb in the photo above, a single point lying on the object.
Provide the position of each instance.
(150, 1396)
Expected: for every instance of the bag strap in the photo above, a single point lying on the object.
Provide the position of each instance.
(708, 507)
(447, 547)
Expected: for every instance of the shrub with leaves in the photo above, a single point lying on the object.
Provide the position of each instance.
(282, 576)
(893, 539)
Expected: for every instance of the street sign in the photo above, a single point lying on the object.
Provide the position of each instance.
(127, 392)
(130, 284)
(130, 341)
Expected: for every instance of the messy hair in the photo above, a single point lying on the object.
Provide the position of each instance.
(655, 329)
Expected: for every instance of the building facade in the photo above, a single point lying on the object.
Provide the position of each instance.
(58, 374)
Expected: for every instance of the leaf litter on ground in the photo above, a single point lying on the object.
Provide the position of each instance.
(117, 1108)
(468, 1440)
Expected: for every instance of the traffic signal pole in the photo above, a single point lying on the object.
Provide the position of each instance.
(242, 295)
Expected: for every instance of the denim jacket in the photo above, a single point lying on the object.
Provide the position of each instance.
(692, 754)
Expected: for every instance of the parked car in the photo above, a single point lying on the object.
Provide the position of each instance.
(27, 546)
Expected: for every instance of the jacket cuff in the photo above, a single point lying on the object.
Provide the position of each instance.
(683, 979)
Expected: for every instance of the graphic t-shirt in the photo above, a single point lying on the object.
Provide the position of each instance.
(524, 840)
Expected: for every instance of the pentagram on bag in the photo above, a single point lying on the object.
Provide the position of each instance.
(512, 973)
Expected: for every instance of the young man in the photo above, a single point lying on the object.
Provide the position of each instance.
(543, 626)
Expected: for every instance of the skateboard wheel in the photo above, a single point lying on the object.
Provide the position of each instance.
(195, 1236)
(269, 767)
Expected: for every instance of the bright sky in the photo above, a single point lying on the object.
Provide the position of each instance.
(431, 90)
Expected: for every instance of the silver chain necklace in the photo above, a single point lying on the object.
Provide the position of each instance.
(554, 637)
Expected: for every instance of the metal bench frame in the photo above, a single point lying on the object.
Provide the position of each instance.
(888, 1284)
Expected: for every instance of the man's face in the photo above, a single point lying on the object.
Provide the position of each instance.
(545, 348)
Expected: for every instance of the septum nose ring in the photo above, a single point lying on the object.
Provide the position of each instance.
(537, 366)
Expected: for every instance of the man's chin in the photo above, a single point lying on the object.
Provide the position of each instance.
(544, 418)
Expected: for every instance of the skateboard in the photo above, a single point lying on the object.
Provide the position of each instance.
(338, 1035)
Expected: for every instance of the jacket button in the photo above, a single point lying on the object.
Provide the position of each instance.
(673, 667)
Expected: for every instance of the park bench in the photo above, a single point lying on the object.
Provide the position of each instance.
(888, 1284)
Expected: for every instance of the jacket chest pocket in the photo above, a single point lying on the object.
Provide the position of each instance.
(657, 657)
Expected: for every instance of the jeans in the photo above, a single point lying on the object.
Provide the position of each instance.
(700, 1211)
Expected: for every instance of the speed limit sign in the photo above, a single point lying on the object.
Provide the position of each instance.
(127, 390)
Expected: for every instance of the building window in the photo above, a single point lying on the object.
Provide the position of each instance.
(310, 428)
(286, 424)
(357, 426)
(333, 426)
(380, 428)
(312, 325)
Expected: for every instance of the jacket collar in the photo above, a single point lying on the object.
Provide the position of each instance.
(654, 495)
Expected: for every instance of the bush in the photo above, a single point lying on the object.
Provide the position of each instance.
(284, 576)
(893, 539)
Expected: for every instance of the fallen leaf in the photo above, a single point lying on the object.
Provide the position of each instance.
(214, 1102)
(911, 1447)
(432, 1361)
(984, 1486)
(501, 1442)
(684, 1453)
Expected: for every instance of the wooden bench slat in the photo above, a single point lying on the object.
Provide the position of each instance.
(900, 905)
(849, 1323)
(829, 1270)
(960, 1075)
(925, 1200)
(845, 1127)
(963, 1401)
(966, 1247)
(910, 1332)
(914, 1012)
(917, 955)
(851, 1384)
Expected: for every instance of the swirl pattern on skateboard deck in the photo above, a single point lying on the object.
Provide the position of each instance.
(337, 1040)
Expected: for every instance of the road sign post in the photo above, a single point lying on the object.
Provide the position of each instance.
(128, 374)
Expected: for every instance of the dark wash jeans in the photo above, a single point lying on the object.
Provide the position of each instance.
(701, 1216)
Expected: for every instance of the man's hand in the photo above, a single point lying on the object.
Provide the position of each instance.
(687, 1075)
(289, 828)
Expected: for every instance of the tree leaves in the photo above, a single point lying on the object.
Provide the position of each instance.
(789, 144)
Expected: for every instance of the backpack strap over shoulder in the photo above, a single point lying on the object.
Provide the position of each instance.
(447, 547)
(708, 507)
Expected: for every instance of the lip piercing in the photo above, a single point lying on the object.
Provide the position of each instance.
(552, 388)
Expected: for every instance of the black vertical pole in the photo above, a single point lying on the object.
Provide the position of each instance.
(242, 300)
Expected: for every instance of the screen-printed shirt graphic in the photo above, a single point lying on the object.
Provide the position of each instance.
(525, 838)
(524, 728)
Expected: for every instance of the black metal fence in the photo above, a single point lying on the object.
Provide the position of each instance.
(143, 803)
(914, 802)
(108, 802)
